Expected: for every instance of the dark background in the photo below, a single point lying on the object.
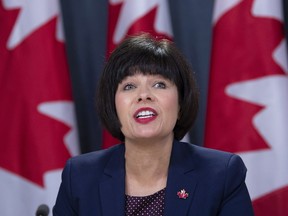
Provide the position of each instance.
(85, 25)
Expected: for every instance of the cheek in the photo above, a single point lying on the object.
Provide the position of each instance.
(174, 107)
(122, 105)
(118, 105)
(172, 102)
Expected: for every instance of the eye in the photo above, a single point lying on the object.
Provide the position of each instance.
(128, 86)
(161, 85)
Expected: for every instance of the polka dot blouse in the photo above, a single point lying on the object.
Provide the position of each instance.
(146, 205)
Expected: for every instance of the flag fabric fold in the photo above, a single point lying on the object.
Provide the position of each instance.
(37, 122)
(248, 90)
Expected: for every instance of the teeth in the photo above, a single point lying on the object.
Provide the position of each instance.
(145, 114)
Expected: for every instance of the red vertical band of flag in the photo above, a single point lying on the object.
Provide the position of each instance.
(247, 104)
(37, 127)
(134, 17)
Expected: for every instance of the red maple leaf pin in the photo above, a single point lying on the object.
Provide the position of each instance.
(182, 194)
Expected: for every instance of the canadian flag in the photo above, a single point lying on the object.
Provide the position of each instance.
(37, 122)
(248, 96)
(130, 17)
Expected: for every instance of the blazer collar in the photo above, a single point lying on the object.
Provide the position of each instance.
(112, 185)
(180, 176)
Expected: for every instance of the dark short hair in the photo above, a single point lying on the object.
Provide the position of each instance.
(147, 55)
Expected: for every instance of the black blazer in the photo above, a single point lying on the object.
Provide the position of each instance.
(94, 183)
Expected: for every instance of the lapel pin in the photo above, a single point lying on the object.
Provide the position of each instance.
(182, 194)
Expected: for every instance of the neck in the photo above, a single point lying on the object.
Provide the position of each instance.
(147, 165)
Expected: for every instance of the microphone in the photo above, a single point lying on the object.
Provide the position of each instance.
(42, 210)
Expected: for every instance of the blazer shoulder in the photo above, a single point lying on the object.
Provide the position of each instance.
(203, 156)
(94, 160)
(219, 174)
(202, 151)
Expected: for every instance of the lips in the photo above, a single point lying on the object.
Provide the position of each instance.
(145, 115)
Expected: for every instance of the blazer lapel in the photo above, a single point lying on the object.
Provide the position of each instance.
(181, 176)
(112, 186)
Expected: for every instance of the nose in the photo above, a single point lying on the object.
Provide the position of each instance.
(145, 95)
(144, 99)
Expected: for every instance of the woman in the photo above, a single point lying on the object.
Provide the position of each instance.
(148, 99)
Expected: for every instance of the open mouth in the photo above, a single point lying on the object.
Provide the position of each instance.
(145, 114)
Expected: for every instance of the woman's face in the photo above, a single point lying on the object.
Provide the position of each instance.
(147, 106)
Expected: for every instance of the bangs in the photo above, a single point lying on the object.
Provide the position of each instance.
(149, 64)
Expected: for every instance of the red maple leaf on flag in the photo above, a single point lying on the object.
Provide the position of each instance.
(31, 74)
(244, 54)
(143, 24)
